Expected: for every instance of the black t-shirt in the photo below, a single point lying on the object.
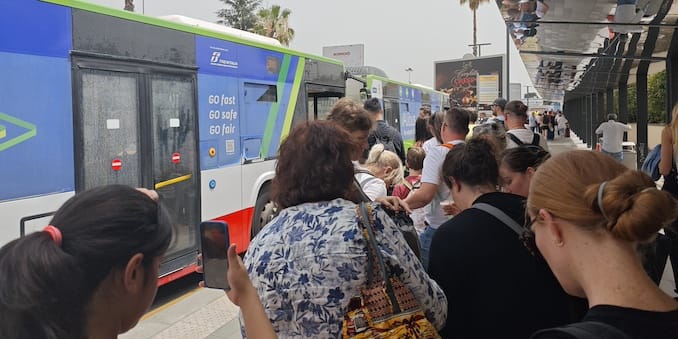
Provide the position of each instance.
(638, 324)
(495, 288)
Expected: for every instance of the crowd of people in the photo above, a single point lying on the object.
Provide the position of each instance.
(512, 242)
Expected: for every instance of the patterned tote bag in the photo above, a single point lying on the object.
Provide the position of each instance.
(385, 308)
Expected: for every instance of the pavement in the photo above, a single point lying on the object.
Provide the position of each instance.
(207, 313)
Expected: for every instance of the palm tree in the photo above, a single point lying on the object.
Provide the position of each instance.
(473, 5)
(129, 5)
(274, 23)
(239, 14)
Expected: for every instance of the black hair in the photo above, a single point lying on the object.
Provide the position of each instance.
(421, 132)
(473, 163)
(520, 158)
(45, 288)
(372, 105)
(457, 120)
(435, 123)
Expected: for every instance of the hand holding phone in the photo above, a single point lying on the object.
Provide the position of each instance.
(214, 242)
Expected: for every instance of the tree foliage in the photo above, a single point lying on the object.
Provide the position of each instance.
(473, 5)
(656, 99)
(240, 14)
(273, 22)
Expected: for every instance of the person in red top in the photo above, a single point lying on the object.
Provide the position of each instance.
(415, 163)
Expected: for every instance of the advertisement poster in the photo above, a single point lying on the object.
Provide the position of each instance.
(461, 80)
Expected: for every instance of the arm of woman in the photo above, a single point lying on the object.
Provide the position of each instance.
(399, 256)
(666, 159)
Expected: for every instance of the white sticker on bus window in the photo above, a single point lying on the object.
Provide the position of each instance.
(230, 146)
(174, 122)
(113, 123)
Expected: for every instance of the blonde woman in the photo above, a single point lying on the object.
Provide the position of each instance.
(589, 213)
(385, 166)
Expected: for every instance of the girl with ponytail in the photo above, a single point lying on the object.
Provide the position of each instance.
(92, 273)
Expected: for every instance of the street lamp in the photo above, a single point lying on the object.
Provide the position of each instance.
(409, 74)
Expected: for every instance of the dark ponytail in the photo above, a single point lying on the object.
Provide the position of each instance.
(45, 288)
(519, 159)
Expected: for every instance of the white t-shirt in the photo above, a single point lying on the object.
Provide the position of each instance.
(526, 136)
(613, 135)
(429, 144)
(562, 121)
(432, 174)
(371, 185)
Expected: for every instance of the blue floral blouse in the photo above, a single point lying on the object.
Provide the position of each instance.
(308, 262)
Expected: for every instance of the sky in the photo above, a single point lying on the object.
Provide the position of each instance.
(397, 34)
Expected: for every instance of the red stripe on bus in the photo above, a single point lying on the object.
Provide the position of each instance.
(239, 227)
(178, 274)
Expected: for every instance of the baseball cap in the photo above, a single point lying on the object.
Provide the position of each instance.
(501, 102)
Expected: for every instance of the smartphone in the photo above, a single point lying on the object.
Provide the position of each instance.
(214, 243)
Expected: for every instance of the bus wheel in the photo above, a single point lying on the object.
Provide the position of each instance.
(264, 212)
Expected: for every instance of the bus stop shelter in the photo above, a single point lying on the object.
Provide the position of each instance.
(578, 53)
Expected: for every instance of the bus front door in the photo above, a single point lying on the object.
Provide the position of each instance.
(136, 127)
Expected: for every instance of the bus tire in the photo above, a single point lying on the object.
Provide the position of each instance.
(264, 211)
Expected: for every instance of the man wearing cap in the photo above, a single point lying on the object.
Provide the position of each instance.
(613, 136)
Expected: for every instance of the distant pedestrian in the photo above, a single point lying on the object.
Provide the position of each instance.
(562, 122)
(613, 137)
(383, 133)
(517, 134)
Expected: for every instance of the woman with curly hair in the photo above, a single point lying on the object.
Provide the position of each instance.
(311, 259)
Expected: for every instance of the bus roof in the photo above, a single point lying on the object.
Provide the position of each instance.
(222, 29)
(86, 6)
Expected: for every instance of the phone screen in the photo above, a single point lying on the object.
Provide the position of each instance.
(214, 242)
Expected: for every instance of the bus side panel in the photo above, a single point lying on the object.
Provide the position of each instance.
(36, 126)
(410, 102)
(219, 119)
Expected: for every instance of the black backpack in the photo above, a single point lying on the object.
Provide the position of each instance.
(536, 138)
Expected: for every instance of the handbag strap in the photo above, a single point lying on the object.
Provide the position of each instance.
(497, 213)
(375, 257)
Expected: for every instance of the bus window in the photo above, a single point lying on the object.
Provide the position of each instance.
(260, 92)
(110, 129)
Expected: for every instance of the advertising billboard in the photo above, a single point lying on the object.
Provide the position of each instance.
(351, 55)
(473, 82)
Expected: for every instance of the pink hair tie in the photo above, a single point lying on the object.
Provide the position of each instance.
(54, 233)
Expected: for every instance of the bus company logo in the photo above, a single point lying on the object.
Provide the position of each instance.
(215, 57)
(219, 59)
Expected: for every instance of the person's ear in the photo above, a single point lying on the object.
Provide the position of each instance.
(530, 172)
(387, 170)
(554, 230)
(134, 274)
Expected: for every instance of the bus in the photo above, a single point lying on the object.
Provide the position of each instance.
(401, 101)
(92, 96)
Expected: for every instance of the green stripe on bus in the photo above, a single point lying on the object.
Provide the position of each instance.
(32, 131)
(273, 112)
(291, 106)
(90, 7)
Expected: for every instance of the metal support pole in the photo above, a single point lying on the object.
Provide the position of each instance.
(609, 100)
(508, 63)
(642, 115)
(623, 102)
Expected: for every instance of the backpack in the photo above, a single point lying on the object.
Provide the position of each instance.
(387, 141)
(583, 330)
(651, 163)
(536, 138)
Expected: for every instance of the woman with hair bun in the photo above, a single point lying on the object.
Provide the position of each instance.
(589, 213)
